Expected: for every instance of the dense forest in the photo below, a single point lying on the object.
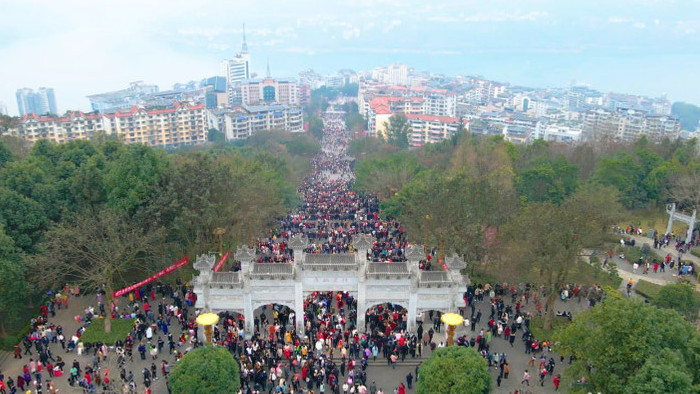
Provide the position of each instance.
(93, 213)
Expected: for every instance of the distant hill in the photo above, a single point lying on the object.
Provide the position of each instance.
(689, 115)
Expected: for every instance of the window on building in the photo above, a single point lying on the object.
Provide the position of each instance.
(269, 93)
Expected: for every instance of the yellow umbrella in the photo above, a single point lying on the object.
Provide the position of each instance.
(452, 320)
(207, 320)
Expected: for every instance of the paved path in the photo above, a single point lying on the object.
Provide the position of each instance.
(65, 317)
(626, 271)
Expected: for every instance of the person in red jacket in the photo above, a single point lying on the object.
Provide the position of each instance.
(556, 382)
(402, 389)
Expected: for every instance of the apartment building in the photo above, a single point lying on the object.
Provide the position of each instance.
(626, 124)
(247, 120)
(75, 126)
(428, 129)
(181, 124)
(268, 90)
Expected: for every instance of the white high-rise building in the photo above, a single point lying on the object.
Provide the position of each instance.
(397, 74)
(237, 70)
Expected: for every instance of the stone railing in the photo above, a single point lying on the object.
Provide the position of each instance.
(434, 278)
(387, 271)
(330, 262)
(223, 280)
(272, 271)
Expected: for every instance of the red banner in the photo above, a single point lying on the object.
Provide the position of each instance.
(221, 262)
(151, 278)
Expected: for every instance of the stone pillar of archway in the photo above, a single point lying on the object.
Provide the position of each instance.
(246, 256)
(691, 226)
(361, 302)
(361, 243)
(204, 265)
(299, 307)
(248, 314)
(297, 244)
(412, 311)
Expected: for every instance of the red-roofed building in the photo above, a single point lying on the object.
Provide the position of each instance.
(374, 99)
(182, 124)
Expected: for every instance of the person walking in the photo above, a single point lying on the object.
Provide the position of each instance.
(409, 380)
(526, 378)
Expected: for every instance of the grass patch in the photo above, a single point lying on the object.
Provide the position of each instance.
(633, 253)
(647, 289)
(96, 331)
(537, 327)
(593, 272)
(695, 252)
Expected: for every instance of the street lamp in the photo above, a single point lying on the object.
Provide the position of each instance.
(452, 320)
(219, 232)
(207, 320)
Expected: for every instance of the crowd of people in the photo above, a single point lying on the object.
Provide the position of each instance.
(333, 355)
(332, 212)
(163, 327)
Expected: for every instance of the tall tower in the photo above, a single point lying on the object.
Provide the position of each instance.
(244, 47)
(237, 70)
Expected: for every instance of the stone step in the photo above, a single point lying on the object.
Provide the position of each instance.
(411, 363)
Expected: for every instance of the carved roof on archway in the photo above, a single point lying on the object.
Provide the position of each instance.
(362, 242)
(415, 253)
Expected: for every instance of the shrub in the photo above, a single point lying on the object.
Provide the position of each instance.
(208, 369)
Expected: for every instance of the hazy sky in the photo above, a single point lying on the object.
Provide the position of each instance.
(84, 47)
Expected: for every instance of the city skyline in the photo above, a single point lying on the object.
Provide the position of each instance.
(643, 47)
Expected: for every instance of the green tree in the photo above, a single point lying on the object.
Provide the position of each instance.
(680, 297)
(205, 370)
(355, 122)
(24, 219)
(8, 122)
(13, 287)
(216, 136)
(397, 131)
(544, 242)
(315, 126)
(660, 374)
(547, 180)
(366, 146)
(385, 176)
(622, 346)
(139, 173)
(97, 249)
(6, 154)
(454, 370)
